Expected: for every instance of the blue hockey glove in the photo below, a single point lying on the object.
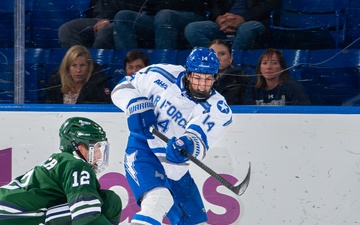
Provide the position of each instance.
(174, 146)
(141, 117)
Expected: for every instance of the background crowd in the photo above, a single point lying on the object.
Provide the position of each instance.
(229, 27)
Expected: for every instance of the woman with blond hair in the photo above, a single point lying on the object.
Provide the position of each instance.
(78, 80)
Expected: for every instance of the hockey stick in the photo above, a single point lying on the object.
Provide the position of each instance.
(239, 189)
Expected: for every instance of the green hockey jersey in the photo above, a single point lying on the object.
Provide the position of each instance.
(62, 179)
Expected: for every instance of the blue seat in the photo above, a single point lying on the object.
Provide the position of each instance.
(6, 6)
(7, 29)
(354, 4)
(117, 67)
(237, 56)
(104, 58)
(249, 60)
(331, 76)
(35, 61)
(308, 24)
(59, 5)
(352, 27)
(182, 56)
(56, 55)
(162, 55)
(34, 77)
(45, 24)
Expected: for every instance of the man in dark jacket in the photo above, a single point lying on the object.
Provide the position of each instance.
(246, 20)
(94, 31)
(163, 21)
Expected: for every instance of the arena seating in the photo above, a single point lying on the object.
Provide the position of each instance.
(328, 69)
(308, 24)
(331, 76)
(352, 27)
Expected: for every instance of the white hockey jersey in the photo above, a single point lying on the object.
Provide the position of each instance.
(176, 112)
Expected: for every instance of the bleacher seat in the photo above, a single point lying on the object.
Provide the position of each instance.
(237, 56)
(45, 25)
(162, 55)
(249, 60)
(182, 56)
(308, 24)
(331, 76)
(352, 26)
(7, 23)
(56, 55)
(354, 4)
(117, 68)
(35, 60)
(104, 57)
(33, 78)
(46, 16)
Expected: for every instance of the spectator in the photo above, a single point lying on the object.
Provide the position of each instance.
(67, 178)
(162, 20)
(94, 31)
(231, 82)
(78, 80)
(245, 19)
(274, 85)
(135, 60)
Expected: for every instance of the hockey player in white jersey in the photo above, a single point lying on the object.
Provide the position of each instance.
(182, 104)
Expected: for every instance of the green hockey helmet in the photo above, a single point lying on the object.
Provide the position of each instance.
(80, 130)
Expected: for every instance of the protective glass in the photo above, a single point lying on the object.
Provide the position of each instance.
(201, 84)
(99, 156)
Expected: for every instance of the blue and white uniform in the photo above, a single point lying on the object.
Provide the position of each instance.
(145, 160)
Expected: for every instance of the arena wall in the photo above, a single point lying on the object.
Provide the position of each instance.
(305, 160)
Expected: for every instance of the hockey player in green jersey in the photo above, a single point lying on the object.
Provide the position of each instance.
(64, 189)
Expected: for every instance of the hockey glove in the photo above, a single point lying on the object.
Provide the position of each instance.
(141, 117)
(174, 147)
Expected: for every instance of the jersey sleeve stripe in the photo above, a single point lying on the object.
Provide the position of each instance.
(163, 72)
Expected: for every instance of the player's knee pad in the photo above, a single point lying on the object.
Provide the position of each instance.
(156, 203)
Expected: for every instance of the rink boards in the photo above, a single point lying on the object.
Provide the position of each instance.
(305, 160)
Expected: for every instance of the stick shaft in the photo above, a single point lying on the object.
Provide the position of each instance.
(222, 180)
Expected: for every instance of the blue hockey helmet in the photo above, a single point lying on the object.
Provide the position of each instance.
(203, 60)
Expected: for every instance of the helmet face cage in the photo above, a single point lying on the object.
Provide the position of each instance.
(193, 84)
(80, 130)
(204, 62)
(99, 156)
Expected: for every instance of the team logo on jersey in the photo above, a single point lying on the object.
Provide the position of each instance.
(161, 83)
(179, 142)
(223, 107)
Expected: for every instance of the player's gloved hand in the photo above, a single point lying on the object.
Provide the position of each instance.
(174, 146)
(141, 117)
